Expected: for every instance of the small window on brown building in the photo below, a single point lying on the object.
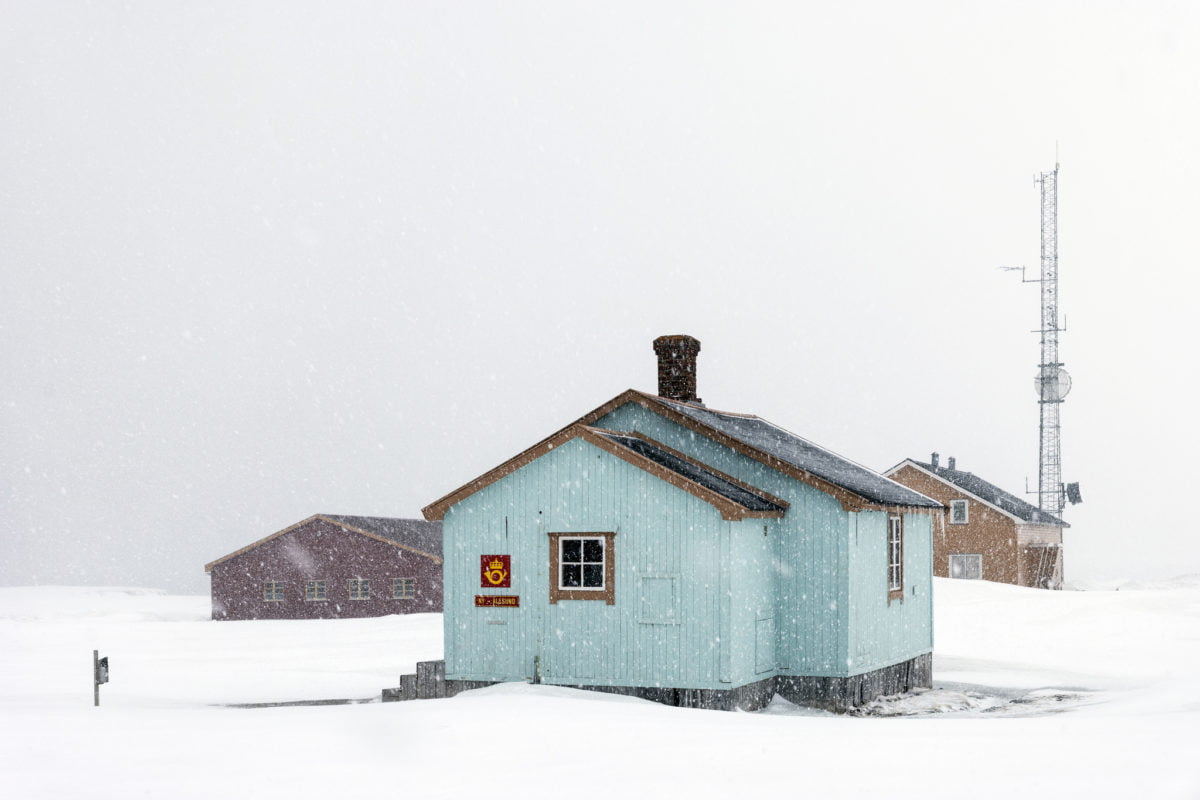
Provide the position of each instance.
(273, 591)
(404, 588)
(360, 589)
(958, 512)
(968, 566)
(315, 590)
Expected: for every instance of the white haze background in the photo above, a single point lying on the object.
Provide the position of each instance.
(263, 260)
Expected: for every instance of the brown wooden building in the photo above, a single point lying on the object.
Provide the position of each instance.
(985, 532)
(332, 566)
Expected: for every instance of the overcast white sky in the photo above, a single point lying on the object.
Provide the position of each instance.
(263, 260)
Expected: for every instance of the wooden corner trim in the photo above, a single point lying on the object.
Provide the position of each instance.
(437, 509)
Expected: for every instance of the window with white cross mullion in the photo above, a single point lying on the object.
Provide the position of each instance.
(581, 563)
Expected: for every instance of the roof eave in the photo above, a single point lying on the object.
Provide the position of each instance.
(1014, 517)
(849, 499)
(344, 526)
(728, 509)
(438, 508)
(209, 566)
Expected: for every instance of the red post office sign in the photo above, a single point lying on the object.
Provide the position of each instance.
(495, 572)
(493, 600)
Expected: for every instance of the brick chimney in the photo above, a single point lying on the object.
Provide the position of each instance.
(677, 367)
(933, 459)
(952, 463)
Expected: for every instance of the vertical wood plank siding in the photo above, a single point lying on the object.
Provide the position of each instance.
(662, 533)
(701, 602)
(809, 546)
(883, 632)
(831, 566)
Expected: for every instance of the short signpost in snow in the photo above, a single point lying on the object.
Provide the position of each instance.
(99, 674)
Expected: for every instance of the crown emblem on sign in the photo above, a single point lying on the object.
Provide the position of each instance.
(496, 564)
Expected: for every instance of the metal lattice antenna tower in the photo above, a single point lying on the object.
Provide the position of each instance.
(1052, 382)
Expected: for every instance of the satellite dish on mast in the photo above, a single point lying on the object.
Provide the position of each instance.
(1052, 384)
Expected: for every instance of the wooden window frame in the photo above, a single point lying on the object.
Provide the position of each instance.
(398, 586)
(311, 593)
(950, 565)
(608, 592)
(271, 588)
(358, 588)
(966, 512)
(895, 566)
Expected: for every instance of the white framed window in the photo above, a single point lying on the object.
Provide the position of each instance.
(360, 588)
(958, 512)
(404, 588)
(581, 563)
(315, 590)
(895, 561)
(273, 591)
(582, 566)
(968, 566)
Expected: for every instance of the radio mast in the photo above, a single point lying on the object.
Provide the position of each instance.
(1052, 382)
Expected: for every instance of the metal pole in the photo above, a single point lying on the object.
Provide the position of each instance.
(1050, 491)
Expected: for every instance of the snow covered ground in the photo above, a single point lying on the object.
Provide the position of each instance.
(1060, 694)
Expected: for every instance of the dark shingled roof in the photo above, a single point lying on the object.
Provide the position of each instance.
(803, 454)
(990, 493)
(693, 472)
(415, 533)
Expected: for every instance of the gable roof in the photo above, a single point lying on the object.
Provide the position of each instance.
(854, 486)
(987, 492)
(417, 536)
(799, 453)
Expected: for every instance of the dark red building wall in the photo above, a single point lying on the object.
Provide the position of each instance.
(320, 550)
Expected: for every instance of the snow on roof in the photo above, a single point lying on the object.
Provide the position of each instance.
(993, 494)
(415, 533)
(800, 453)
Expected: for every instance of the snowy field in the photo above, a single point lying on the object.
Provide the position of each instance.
(1041, 694)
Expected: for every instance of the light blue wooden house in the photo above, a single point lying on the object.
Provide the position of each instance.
(661, 548)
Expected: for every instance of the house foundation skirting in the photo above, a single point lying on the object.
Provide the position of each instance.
(835, 694)
(839, 694)
(749, 697)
